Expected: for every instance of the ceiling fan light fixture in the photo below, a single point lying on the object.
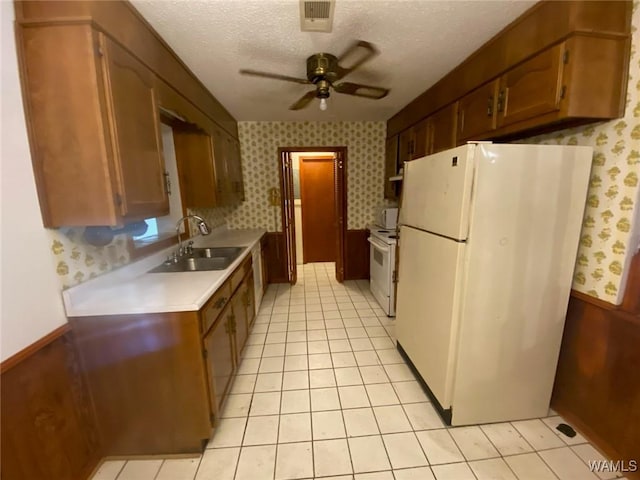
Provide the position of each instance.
(324, 69)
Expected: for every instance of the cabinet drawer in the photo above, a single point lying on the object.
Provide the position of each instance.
(240, 272)
(215, 305)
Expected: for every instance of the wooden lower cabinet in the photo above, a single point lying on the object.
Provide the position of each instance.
(219, 357)
(159, 381)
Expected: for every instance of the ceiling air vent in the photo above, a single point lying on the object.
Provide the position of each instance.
(316, 15)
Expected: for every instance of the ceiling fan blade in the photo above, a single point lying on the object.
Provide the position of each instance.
(275, 76)
(303, 101)
(354, 56)
(361, 90)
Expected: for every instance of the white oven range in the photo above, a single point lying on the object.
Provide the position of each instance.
(382, 262)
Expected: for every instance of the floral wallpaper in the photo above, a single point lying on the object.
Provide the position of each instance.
(78, 261)
(259, 142)
(614, 193)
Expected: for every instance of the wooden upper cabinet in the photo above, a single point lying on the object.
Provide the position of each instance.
(420, 139)
(228, 168)
(477, 113)
(442, 128)
(224, 187)
(93, 127)
(195, 158)
(235, 169)
(603, 25)
(136, 141)
(405, 147)
(533, 88)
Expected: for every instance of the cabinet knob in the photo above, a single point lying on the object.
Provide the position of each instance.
(490, 106)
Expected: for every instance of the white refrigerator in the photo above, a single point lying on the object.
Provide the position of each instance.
(488, 241)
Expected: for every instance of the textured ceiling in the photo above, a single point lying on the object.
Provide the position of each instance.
(419, 40)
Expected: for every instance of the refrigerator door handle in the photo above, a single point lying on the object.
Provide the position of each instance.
(378, 245)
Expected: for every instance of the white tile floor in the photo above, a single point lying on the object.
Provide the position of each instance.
(322, 393)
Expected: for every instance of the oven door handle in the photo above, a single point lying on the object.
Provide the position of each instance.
(376, 244)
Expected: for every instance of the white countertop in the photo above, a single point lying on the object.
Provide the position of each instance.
(131, 289)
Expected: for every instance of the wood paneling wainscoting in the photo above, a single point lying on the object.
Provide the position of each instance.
(276, 257)
(356, 256)
(48, 426)
(597, 385)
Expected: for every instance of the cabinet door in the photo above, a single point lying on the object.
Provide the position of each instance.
(405, 147)
(228, 169)
(234, 168)
(136, 141)
(241, 327)
(219, 357)
(442, 134)
(477, 112)
(390, 166)
(531, 89)
(249, 300)
(224, 190)
(194, 154)
(420, 139)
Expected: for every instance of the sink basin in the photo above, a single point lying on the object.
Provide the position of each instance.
(202, 259)
(215, 252)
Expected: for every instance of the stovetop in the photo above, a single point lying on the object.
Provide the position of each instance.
(385, 235)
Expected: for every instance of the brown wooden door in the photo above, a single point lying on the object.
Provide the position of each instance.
(318, 209)
(137, 147)
(219, 357)
(390, 167)
(532, 88)
(339, 192)
(477, 112)
(442, 134)
(288, 222)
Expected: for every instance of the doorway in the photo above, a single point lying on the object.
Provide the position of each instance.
(313, 186)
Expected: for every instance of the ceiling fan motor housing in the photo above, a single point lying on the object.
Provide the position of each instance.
(322, 67)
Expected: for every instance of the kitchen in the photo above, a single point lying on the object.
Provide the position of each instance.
(28, 236)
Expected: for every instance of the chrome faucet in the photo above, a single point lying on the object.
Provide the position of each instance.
(202, 226)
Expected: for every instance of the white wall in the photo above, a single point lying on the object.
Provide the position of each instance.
(31, 303)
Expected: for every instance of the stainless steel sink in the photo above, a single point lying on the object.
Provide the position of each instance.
(215, 252)
(201, 259)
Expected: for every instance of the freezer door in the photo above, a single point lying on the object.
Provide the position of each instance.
(427, 310)
(436, 192)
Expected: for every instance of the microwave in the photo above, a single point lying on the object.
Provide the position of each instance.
(387, 218)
